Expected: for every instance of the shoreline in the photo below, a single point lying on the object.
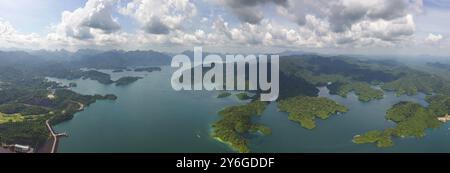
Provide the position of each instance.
(220, 140)
(51, 144)
(228, 144)
(54, 136)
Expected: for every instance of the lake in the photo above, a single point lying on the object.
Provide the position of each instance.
(149, 116)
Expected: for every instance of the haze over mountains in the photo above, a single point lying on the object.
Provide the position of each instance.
(85, 58)
(112, 59)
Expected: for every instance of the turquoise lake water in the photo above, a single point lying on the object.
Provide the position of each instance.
(149, 116)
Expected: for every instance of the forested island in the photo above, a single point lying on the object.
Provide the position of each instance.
(305, 110)
(411, 120)
(27, 99)
(243, 96)
(118, 71)
(368, 79)
(223, 94)
(147, 69)
(123, 81)
(363, 90)
(236, 122)
(72, 84)
(98, 76)
(105, 78)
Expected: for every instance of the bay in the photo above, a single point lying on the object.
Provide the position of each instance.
(149, 116)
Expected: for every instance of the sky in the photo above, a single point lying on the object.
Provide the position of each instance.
(410, 27)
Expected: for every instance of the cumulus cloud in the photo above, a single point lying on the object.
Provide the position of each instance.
(315, 33)
(160, 16)
(295, 24)
(267, 33)
(84, 22)
(321, 23)
(6, 29)
(10, 38)
(298, 10)
(386, 30)
(155, 26)
(342, 14)
(249, 10)
(348, 12)
(432, 38)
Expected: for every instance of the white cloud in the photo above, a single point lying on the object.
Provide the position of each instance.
(432, 38)
(6, 28)
(160, 16)
(314, 33)
(10, 38)
(249, 10)
(83, 23)
(383, 32)
(90, 26)
(325, 24)
(342, 14)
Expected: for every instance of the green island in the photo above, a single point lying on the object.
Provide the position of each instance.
(72, 84)
(347, 74)
(101, 77)
(235, 123)
(411, 120)
(300, 77)
(27, 99)
(118, 71)
(223, 94)
(381, 138)
(147, 69)
(264, 130)
(304, 110)
(62, 72)
(243, 96)
(363, 90)
(123, 81)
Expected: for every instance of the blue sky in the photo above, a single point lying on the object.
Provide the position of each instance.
(335, 26)
(27, 16)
